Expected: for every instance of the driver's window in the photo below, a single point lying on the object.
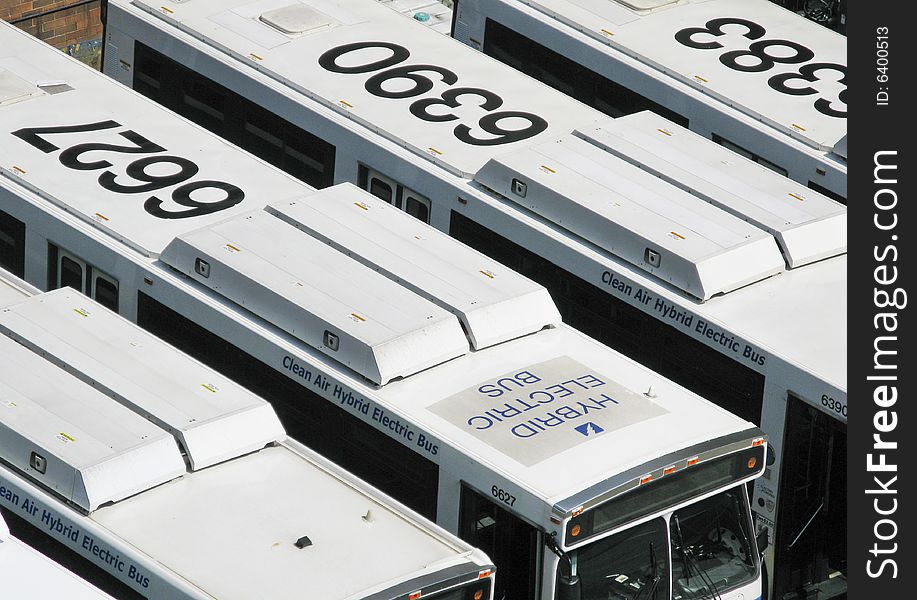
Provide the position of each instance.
(629, 564)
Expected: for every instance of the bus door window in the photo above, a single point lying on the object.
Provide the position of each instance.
(514, 545)
(399, 196)
(105, 290)
(70, 271)
(811, 559)
(382, 187)
(416, 205)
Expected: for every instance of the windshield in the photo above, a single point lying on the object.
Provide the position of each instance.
(711, 546)
(705, 548)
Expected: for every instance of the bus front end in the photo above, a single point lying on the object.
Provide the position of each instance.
(681, 531)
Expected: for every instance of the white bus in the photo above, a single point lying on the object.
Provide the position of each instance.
(178, 482)
(773, 351)
(416, 363)
(748, 74)
(27, 573)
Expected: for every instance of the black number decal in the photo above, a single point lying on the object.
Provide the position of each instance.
(715, 28)
(137, 170)
(450, 99)
(30, 134)
(809, 73)
(422, 84)
(71, 156)
(766, 61)
(490, 124)
(182, 196)
(328, 60)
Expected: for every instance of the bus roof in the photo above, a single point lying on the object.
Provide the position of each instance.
(113, 114)
(669, 38)
(26, 573)
(289, 53)
(288, 521)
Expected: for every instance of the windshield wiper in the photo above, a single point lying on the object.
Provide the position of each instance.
(690, 564)
(654, 577)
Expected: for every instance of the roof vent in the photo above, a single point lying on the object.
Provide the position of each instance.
(642, 5)
(303, 542)
(295, 19)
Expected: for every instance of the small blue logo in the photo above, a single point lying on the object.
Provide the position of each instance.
(589, 428)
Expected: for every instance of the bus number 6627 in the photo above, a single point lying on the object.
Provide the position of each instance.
(502, 495)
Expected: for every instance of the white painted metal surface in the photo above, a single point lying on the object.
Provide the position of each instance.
(212, 418)
(233, 27)
(327, 300)
(266, 501)
(493, 302)
(26, 574)
(54, 163)
(91, 450)
(746, 85)
(636, 216)
(807, 225)
(433, 13)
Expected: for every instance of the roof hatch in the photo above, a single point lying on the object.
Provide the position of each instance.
(16, 89)
(808, 226)
(73, 439)
(327, 300)
(681, 239)
(494, 303)
(212, 418)
(643, 4)
(295, 19)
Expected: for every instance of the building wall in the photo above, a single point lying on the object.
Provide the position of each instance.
(77, 31)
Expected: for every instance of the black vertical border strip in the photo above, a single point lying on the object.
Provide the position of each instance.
(882, 126)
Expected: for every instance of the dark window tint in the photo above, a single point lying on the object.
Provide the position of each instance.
(565, 75)
(241, 121)
(380, 189)
(627, 329)
(513, 545)
(417, 208)
(823, 190)
(12, 244)
(71, 274)
(106, 293)
(748, 154)
(307, 417)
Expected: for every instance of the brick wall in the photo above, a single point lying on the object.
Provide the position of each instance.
(77, 31)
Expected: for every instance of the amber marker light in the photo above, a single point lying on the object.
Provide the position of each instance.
(752, 462)
(575, 530)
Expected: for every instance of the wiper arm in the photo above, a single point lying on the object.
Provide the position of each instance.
(654, 577)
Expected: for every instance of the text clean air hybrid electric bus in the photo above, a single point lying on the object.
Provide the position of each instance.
(170, 478)
(712, 270)
(440, 376)
(748, 74)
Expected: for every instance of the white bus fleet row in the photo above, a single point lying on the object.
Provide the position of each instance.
(715, 271)
(182, 484)
(425, 367)
(26, 573)
(751, 75)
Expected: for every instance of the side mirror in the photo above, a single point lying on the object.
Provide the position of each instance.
(761, 541)
(569, 588)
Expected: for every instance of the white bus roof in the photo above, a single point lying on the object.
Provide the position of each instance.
(213, 418)
(27, 573)
(73, 438)
(432, 13)
(267, 501)
(82, 97)
(494, 303)
(646, 32)
(239, 29)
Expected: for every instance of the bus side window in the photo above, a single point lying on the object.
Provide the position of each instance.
(72, 271)
(12, 244)
(748, 154)
(389, 190)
